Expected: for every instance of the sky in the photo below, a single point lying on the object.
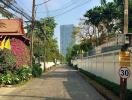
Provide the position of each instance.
(64, 11)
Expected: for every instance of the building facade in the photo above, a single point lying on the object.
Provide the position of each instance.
(66, 39)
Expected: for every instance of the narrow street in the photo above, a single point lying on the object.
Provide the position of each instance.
(62, 84)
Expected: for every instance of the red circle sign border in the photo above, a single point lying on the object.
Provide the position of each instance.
(128, 70)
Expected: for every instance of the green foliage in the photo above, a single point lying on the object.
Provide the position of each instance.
(78, 50)
(94, 15)
(115, 88)
(130, 16)
(69, 55)
(24, 72)
(61, 58)
(107, 18)
(9, 73)
(76, 30)
(36, 70)
(6, 78)
(1, 57)
(15, 76)
(45, 45)
(38, 44)
(75, 50)
(103, 2)
(52, 51)
(86, 46)
(46, 25)
(7, 58)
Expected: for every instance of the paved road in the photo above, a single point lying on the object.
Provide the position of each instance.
(61, 84)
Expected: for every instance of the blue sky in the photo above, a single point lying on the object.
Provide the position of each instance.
(74, 9)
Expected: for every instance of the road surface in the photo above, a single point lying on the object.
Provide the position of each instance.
(62, 84)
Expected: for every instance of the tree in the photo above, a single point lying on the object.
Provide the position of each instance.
(45, 45)
(94, 18)
(69, 55)
(76, 50)
(106, 19)
(52, 51)
(130, 17)
(103, 2)
(75, 32)
(86, 45)
(120, 13)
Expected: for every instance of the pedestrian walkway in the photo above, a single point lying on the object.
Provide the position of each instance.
(62, 84)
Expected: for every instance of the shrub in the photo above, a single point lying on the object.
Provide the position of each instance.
(16, 76)
(6, 78)
(7, 60)
(24, 73)
(16, 79)
(36, 70)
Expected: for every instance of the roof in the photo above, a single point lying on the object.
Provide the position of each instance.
(11, 27)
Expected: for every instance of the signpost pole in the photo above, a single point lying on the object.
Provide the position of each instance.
(124, 72)
(123, 92)
(123, 81)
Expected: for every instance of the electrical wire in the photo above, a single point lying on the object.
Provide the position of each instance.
(65, 6)
(16, 9)
(20, 9)
(71, 9)
(23, 6)
(42, 3)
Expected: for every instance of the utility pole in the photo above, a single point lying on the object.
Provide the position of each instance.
(125, 16)
(123, 81)
(32, 31)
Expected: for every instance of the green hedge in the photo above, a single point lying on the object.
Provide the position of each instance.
(36, 70)
(115, 88)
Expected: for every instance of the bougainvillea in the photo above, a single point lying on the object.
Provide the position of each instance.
(21, 52)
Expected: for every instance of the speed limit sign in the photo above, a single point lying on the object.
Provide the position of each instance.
(124, 72)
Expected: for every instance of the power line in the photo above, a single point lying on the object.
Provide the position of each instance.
(16, 9)
(20, 2)
(71, 9)
(67, 5)
(42, 3)
(22, 11)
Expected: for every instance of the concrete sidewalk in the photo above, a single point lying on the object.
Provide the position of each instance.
(62, 84)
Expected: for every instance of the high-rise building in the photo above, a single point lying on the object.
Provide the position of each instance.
(66, 39)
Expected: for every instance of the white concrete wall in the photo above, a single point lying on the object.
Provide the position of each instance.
(104, 65)
(47, 64)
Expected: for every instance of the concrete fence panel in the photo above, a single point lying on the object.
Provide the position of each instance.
(105, 65)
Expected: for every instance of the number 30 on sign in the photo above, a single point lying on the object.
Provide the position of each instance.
(124, 72)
